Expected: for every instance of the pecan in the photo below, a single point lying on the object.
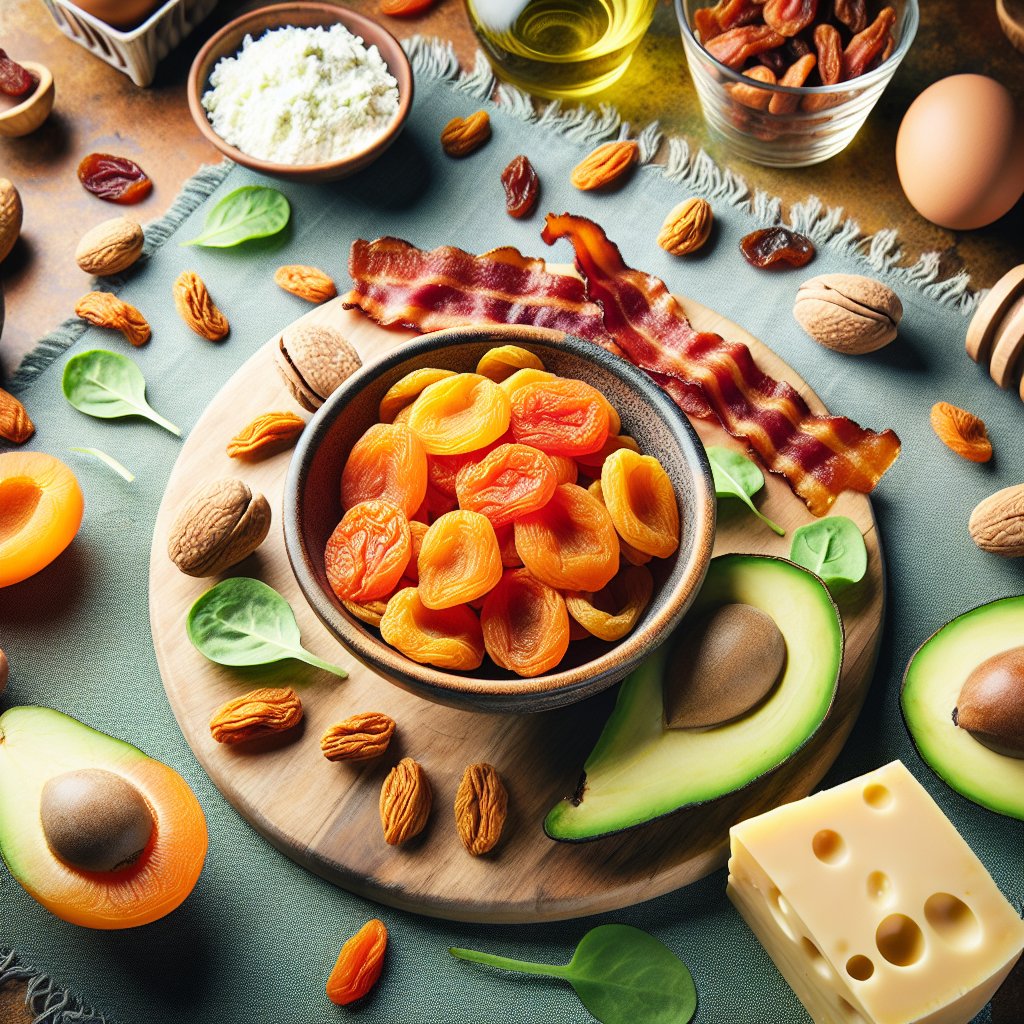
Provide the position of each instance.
(686, 228)
(605, 165)
(106, 310)
(15, 425)
(405, 800)
(259, 713)
(481, 806)
(961, 432)
(308, 283)
(268, 434)
(794, 76)
(359, 737)
(750, 95)
(196, 308)
(463, 135)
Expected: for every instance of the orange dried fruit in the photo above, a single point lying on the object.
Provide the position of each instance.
(500, 362)
(507, 547)
(595, 460)
(407, 389)
(560, 417)
(509, 482)
(417, 531)
(566, 470)
(613, 611)
(449, 638)
(628, 552)
(641, 501)
(359, 965)
(387, 463)
(459, 560)
(961, 432)
(459, 414)
(368, 551)
(527, 375)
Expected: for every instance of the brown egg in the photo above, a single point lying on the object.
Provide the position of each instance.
(960, 152)
(120, 14)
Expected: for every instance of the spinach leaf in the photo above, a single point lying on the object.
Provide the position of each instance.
(108, 385)
(242, 621)
(737, 477)
(621, 974)
(252, 211)
(107, 460)
(833, 548)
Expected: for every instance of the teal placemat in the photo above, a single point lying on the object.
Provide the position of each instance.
(259, 935)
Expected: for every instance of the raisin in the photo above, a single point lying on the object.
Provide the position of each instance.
(768, 246)
(852, 13)
(830, 54)
(733, 48)
(522, 186)
(114, 178)
(795, 76)
(14, 79)
(726, 14)
(868, 44)
(788, 17)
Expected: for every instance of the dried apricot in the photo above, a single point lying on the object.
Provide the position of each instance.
(528, 375)
(388, 462)
(641, 501)
(368, 551)
(501, 362)
(507, 546)
(459, 560)
(595, 460)
(417, 531)
(628, 552)
(359, 964)
(406, 390)
(566, 470)
(459, 414)
(560, 417)
(511, 481)
(448, 638)
(525, 624)
(613, 611)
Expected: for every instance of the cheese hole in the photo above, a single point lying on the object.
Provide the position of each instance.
(877, 796)
(779, 908)
(818, 962)
(880, 887)
(953, 920)
(860, 968)
(900, 940)
(829, 847)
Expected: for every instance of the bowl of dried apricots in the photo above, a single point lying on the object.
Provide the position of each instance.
(500, 519)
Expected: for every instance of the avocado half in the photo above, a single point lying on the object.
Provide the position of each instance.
(640, 770)
(931, 688)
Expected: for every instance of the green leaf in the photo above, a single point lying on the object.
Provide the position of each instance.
(107, 460)
(242, 621)
(737, 477)
(621, 974)
(832, 548)
(252, 211)
(108, 385)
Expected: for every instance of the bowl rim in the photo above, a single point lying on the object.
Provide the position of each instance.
(44, 86)
(356, 23)
(908, 23)
(589, 677)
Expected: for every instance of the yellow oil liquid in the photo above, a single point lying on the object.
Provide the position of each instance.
(560, 47)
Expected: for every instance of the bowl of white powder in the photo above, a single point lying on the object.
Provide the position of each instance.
(303, 91)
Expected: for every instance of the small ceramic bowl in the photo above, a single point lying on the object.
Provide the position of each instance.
(312, 508)
(28, 115)
(228, 41)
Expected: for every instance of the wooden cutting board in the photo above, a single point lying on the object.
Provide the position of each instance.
(325, 816)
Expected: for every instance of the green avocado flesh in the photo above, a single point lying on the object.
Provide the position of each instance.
(931, 688)
(640, 770)
(36, 745)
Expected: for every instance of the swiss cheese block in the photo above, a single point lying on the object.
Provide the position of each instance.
(872, 906)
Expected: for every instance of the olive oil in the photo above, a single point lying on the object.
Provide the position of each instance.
(560, 47)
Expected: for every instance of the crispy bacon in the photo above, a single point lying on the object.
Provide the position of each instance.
(820, 456)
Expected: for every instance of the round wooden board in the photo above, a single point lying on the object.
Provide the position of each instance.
(324, 815)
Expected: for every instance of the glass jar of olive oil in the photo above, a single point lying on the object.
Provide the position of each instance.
(560, 48)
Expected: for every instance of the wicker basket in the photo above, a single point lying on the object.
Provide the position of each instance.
(137, 51)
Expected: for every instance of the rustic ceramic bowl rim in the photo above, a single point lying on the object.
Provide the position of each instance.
(254, 23)
(44, 85)
(612, 664)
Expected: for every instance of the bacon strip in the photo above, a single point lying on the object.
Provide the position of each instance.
(820, 456)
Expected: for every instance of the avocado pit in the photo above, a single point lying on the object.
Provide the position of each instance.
(94, 820)
(991, 703)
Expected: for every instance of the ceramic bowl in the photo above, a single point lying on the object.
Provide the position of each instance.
(312, 508)
(28, 115)
(228, 41)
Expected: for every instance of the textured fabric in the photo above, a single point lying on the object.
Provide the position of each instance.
(258, 937)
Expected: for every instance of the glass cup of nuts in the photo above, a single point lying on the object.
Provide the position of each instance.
(789, 84)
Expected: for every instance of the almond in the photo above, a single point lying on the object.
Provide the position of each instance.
(605, 165)
(997, 524)
(10, 217)
(687, 227)
(359, 737)
(110, 247)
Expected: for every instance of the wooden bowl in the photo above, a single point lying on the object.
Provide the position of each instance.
(312, 508)
(28, 115)
(228, 41)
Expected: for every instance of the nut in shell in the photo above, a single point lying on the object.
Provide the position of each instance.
(848, 313)
(220, 524)
(110, 247)
(314, 360)
(997, 524)
(10, 217)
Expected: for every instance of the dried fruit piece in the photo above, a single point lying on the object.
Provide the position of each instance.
(868, 44)
(612, 612)
(735, 47)
(829, 47)
(793, 77)
(726, 14)
(196, 307)
(641, 501)
(481, 806)
(852, 13)
(449, 638)
(268, 434)
(502, 361)
(768, 246)
(464, 135)
(522, 186)
(371, 612)
(358, 737)
(750, 95)
(406, 390)
(528, 375)
(106, 310)
(388, 463)
(368, 551)
(403, 8)
(961, 432)
(15, 424)
(257, 714)
(687, 227)
(459, 560)
(417, 531)
(626, 550)
(509, 482)
(525, 624)
(114, 178)
(460, 414)
(14, 79)
(566, 469)
(405, 801)
(359, 964)
(613, 443)
(788, 17)
(605, 165)
(560, 417)
(309, 283)
(507, 546)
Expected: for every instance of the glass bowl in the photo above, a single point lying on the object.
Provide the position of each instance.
(813, 124)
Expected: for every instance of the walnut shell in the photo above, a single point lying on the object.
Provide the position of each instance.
(997, 524)
(314, 359)
(110, 247)
(847, 312)
(220, 524)
(10, 217)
